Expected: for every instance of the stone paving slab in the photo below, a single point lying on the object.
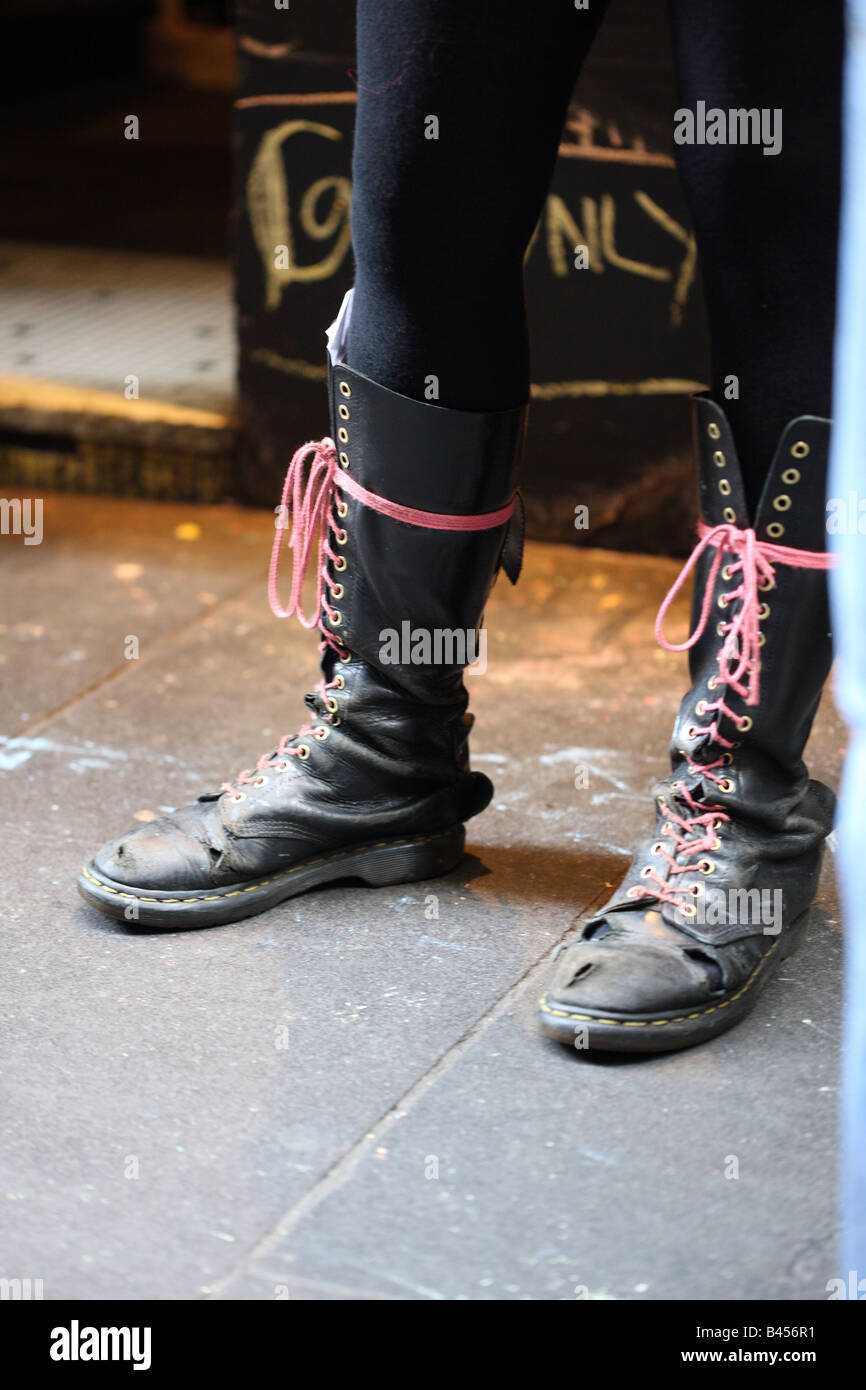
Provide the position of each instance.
(703, 1175)
(241, 1072)
(104, 571)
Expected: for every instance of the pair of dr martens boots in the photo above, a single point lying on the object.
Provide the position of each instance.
(377, 786)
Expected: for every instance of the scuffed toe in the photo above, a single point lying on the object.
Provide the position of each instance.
(621, 972)
(162, 855)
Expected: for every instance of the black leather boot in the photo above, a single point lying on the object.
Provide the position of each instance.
(415, 511)
(717, 897)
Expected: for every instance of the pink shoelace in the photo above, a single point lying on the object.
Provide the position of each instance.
(739, 662)
(311, 495)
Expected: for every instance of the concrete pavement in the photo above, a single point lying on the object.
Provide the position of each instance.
(346, 1097)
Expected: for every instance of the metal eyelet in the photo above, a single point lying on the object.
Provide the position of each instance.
(335, 618)
(303, 752)
(782, 503)
(730, 515)
(658, 848)
(696, 889)
(800, 449)
(713, 431)
(712, 682)
(691, 731)
(342, 509)
(688, 910)
(701, 707)
(724, 487)
(763, 610)
(706, 866)
(345, 388)
(726, 785)
(259, 781)
(646, 871)
(337, 591)
(721, 629)
(745, 724)
(239, 796)
(719, 459)
(722, 600)
(727, 572)
(717, 844)
(335, 721)
(345, 657)
(791, 476)
(343, 412)
(762, 639)
(340, 564)
(280, 767)
(321, 733)
(633, 891)
(765, 584)
(331, 705)
(340, 682)
(775, 529)
(342, 536)
(727, 759)
(344, 460)
(343, 435)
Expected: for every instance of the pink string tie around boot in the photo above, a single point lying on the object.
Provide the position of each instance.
(311, 496)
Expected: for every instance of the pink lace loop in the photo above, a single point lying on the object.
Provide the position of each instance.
(755, 560)
(311, 514)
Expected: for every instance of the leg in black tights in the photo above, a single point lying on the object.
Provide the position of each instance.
(766, 225)
(441, 226)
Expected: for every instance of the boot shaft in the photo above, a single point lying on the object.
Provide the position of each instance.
(410, 595)
(794, 651)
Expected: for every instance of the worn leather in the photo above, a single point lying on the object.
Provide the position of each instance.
(640, 955)
(394, 759)
(437, 460)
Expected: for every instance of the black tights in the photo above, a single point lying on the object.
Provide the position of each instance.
(439, 282)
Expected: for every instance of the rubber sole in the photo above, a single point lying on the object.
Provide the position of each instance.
(585, 1030)
(380, 864)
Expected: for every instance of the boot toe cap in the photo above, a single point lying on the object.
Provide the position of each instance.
(160, 856)
(624, 976)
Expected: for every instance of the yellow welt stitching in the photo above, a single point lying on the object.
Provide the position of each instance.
(661, 1022)
(264, 883)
